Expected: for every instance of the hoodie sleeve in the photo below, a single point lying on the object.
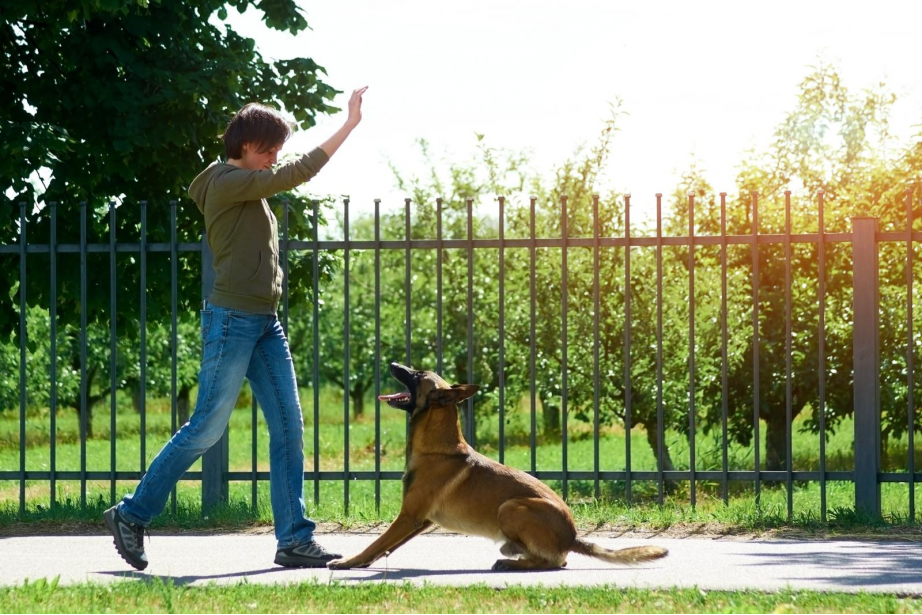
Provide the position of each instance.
(251, 185)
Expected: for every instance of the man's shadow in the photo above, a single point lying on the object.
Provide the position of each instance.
(185, 580)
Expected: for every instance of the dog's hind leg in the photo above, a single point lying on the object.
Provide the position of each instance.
(512, 549)
(541, 532)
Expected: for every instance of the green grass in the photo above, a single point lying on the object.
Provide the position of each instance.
(611, 509)
(163, 596)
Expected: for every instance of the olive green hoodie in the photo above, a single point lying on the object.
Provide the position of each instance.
(242, 231)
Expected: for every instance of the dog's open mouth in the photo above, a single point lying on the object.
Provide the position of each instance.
(404, 400)
(395, 398)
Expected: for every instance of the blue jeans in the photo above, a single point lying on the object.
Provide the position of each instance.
(237, 345)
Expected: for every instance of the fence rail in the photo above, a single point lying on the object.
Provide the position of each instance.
(865, 240)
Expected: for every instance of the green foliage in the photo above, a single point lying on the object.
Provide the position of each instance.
(122, 101)
(125, 103)
(838, 142)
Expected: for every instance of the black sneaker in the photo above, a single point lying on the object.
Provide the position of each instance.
(308, 555)
(128, 538)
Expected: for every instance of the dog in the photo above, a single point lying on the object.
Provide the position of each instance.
(448, 483)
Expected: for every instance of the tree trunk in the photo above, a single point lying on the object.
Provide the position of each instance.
(135, 397)
(669, 486)
(358, 401)
(776, 441)
(550, 413)
(90, 402)
(182, 404)
(89, 418)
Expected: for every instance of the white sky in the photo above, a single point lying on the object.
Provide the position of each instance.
(708, 79)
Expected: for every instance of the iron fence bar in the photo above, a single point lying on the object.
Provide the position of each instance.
(472, 436)
(897, 477)
(755, 344)
(821, 248)
(143, 338)
(438, 286)
(53, 368)
(502, 331)
(788, 393)
(564, 232)
(540, 242)
(691, 349)
(866, 357)
(98, 248)
(22, 358)
(910, 360)
(285, 248)
(660, 419)
(316, 335)
(724, 385)
(346, 332)
(595, 345)
(627, 347)
(215, 487)
(174, 299)
(596, 242)
(378, 353)
(113, 349)
(587, 475)
(407, 294)
(83, 349)
(254, 435)
(531, 337)
(637, 241)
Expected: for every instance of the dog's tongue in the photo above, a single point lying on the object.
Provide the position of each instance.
(393, 396)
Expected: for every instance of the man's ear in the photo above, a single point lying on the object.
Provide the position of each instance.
(453, 396)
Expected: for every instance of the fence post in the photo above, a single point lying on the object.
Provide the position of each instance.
(866, 365)
(215, 459)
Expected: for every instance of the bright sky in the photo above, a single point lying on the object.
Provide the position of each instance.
(703, 78)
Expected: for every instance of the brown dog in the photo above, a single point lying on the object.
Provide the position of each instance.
(448, 483)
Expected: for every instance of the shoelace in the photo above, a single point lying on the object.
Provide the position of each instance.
(138, 533)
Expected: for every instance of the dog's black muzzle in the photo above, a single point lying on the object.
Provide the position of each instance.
(402, 401)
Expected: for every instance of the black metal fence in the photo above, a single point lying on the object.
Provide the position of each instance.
(865, 240)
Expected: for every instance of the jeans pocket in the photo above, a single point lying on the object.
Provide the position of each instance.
(207, 317)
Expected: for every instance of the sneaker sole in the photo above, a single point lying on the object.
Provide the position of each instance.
(301, 562)
(113, 529)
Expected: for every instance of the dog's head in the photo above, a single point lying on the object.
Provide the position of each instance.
(425, 390)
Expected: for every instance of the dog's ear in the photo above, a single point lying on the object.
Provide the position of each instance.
(453, 396)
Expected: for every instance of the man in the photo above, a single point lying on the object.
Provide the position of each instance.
(241, 334)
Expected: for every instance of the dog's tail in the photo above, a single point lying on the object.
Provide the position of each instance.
(630, 555)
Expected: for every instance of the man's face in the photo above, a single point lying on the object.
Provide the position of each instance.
(256, 160)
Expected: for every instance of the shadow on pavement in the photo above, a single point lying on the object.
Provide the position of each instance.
(185, 580)
(854, 565)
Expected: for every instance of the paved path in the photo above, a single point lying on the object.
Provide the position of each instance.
(445, 559)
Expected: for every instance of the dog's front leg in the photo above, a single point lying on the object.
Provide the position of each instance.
(401, 530)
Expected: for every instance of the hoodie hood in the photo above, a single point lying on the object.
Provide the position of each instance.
(199, 187)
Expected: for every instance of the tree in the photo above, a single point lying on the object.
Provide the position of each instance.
(839, 142)
(122, 101)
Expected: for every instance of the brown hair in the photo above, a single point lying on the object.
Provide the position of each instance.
(259, 125)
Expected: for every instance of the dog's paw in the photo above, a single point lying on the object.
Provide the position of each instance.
(501, 565)
(339, 564)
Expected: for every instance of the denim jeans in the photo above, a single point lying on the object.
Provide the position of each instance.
(237, 345)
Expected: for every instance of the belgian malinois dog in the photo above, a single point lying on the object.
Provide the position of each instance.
(448, 483)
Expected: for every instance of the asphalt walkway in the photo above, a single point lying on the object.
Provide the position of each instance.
(445, 559)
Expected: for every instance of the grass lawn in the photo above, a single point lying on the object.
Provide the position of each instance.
(165, 597)
(610, 509)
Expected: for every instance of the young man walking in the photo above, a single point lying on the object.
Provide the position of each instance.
(241, 334)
